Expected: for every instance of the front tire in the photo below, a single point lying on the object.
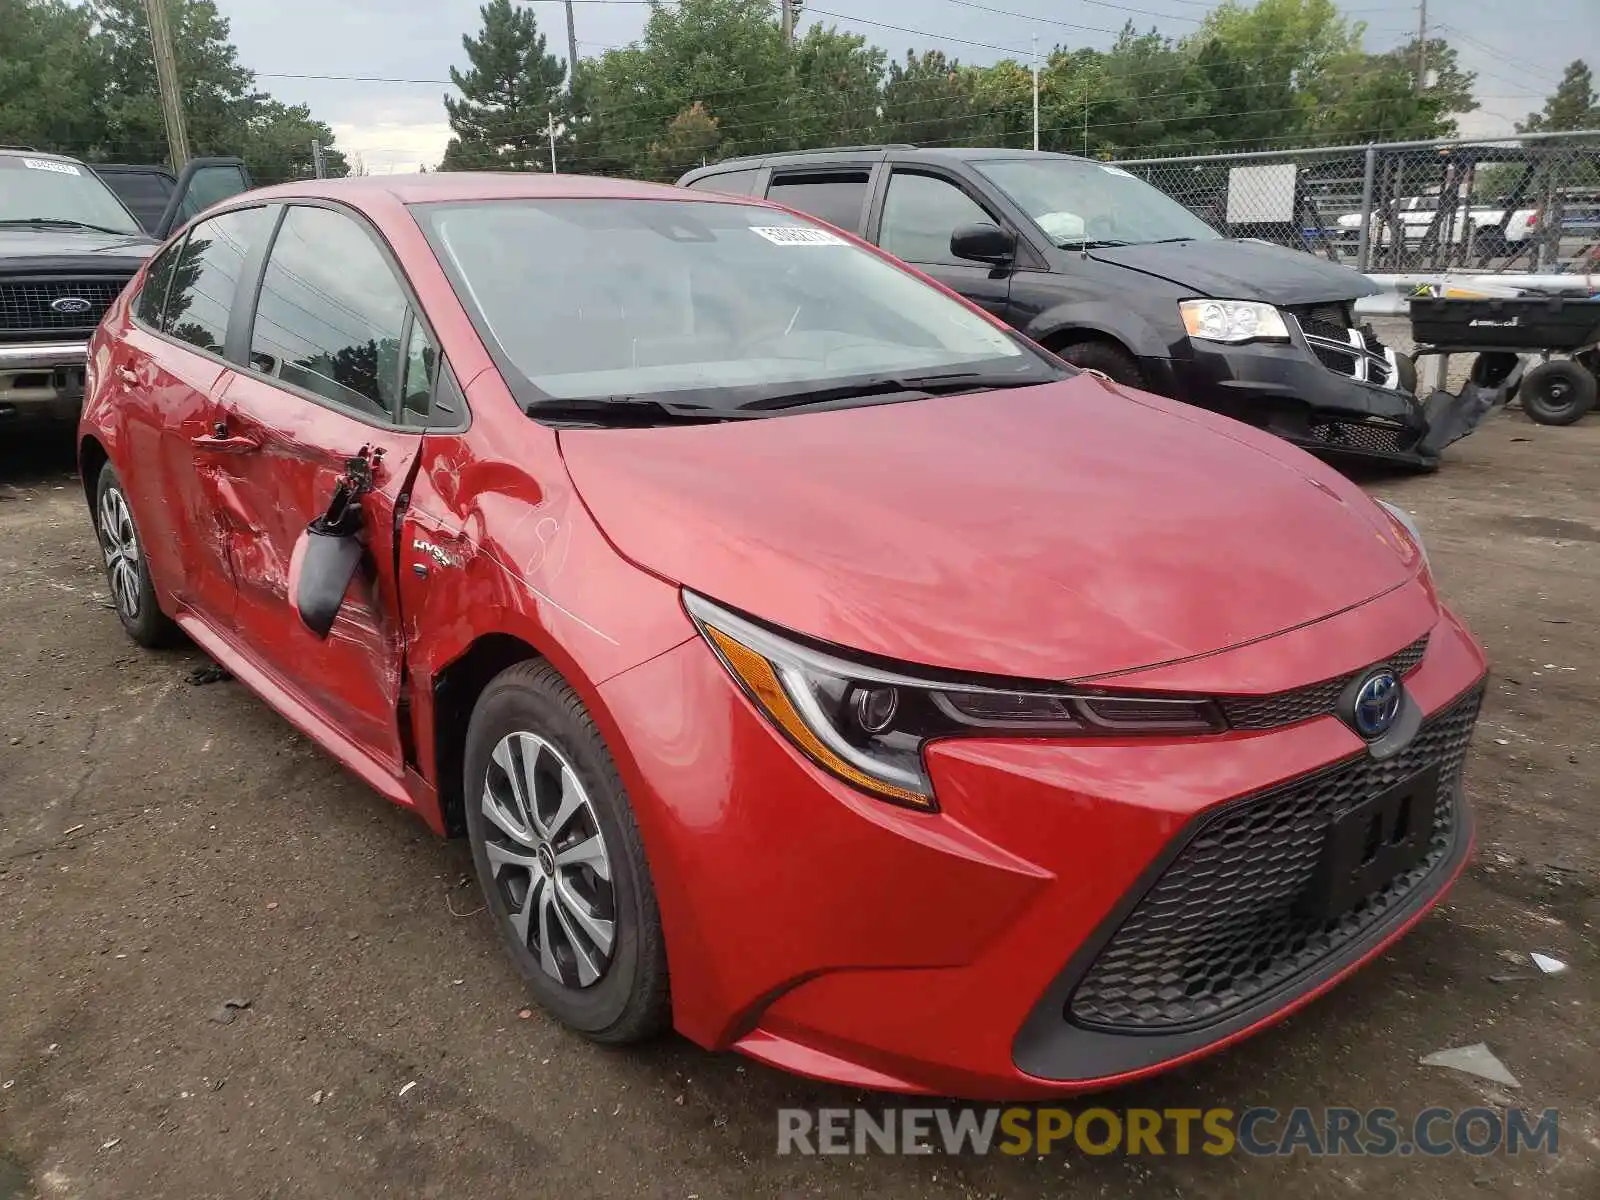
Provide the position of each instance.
(127, 571)
(560, 858)
(1110, 360)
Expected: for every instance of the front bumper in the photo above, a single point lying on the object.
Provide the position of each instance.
(42, 380)
(1360, 407)
(830, 934)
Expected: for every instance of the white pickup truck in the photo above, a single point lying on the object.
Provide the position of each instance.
(1417, 213)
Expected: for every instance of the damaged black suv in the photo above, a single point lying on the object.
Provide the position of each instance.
(68, 246)
(1111, 274)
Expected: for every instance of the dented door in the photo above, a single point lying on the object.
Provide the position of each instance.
(293, 452)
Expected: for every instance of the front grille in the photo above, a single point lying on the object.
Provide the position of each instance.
(1225, 921)
(1313, 700)
(1363, 437)
(1340, 346)
(1332, 318)
(25, 306)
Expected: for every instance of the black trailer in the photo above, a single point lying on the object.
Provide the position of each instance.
(1500, 330)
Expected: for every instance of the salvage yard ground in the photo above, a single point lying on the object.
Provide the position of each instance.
(166, 848)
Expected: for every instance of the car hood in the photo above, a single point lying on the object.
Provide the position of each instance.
(21, 245)
(1226, 269)
(1063, 531)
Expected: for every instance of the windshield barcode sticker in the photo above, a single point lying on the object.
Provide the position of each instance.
(39, 164)
(798, 235)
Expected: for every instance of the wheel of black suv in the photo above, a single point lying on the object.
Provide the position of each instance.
(127, 573)
(560, 858)
(1106, 358)
(1557, 392)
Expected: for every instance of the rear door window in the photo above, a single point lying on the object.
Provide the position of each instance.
(837, 197)
(207, 276)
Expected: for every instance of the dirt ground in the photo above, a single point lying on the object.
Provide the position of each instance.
(166, 848)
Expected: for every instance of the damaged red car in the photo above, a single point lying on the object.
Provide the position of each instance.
(933, 715)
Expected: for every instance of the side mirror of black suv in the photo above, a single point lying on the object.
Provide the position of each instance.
(983, 242)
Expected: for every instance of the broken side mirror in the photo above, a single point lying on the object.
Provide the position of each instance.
(330, 551)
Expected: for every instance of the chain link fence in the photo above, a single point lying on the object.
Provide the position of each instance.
(1529, 203)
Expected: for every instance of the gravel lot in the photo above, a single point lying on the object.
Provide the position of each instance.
(166, 848)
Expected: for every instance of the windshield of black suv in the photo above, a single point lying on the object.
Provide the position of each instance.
(1075, 201)
(722, 306)
(59, 193)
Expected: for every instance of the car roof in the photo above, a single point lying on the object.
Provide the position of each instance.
(474, 185)
(899, 153)
(31, 153)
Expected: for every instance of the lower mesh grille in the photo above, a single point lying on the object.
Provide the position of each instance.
(1306, 703)
(1226, 922)
(1361, 436)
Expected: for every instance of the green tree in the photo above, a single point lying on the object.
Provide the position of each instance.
(223, 111)
(511, 91)
(691, 139)
(51, 76)
(1573, 105)
(929, 100)
(1374, 97)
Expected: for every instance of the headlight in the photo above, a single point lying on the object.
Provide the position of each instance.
(1403, 519)
(868, 724)
(1233, 321)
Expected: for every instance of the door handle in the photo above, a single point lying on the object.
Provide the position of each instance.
(127, 375)
(219, 441)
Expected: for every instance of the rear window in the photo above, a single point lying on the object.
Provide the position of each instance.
(837, 198)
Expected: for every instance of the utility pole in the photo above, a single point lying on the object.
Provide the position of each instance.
(1422, 46)
(167, 82)
(550, 129)
(572, 48)
(788, 22)
(319, 165)
(1036, 91)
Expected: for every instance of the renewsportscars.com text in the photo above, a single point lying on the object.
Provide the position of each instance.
(1257, 1131)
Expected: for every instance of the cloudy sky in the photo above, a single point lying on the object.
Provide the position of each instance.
(1517, 47)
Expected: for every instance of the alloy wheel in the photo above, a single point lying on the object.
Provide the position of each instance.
(548, 859)
(120, 544)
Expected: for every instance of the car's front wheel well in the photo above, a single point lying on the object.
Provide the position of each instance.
(1097, 350)
(92, 458)
(455, 693)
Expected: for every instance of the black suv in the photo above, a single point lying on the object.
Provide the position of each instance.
(68, 246)
(1112, 274)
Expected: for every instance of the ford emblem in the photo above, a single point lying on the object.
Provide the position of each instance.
(70, 305)
(1377, 704)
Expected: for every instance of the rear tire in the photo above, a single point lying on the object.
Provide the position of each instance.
(127, 571)
(1557, 392)
(1108, 358)
(560, 858)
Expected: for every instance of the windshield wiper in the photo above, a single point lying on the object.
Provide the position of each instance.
(63, 223)
(1091, 243)
(624, 410)
(944, 383)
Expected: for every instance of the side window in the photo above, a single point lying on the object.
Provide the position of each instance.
(421, 371)
(153, 292)
(331, 313)
(837, 197)
(735, 183)
(206, 276)
(920, 212)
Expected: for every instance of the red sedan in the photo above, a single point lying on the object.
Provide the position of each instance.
(937, 716)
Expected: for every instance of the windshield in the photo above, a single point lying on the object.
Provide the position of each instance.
(1075, 201)
(722, 304)
(51, 190)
